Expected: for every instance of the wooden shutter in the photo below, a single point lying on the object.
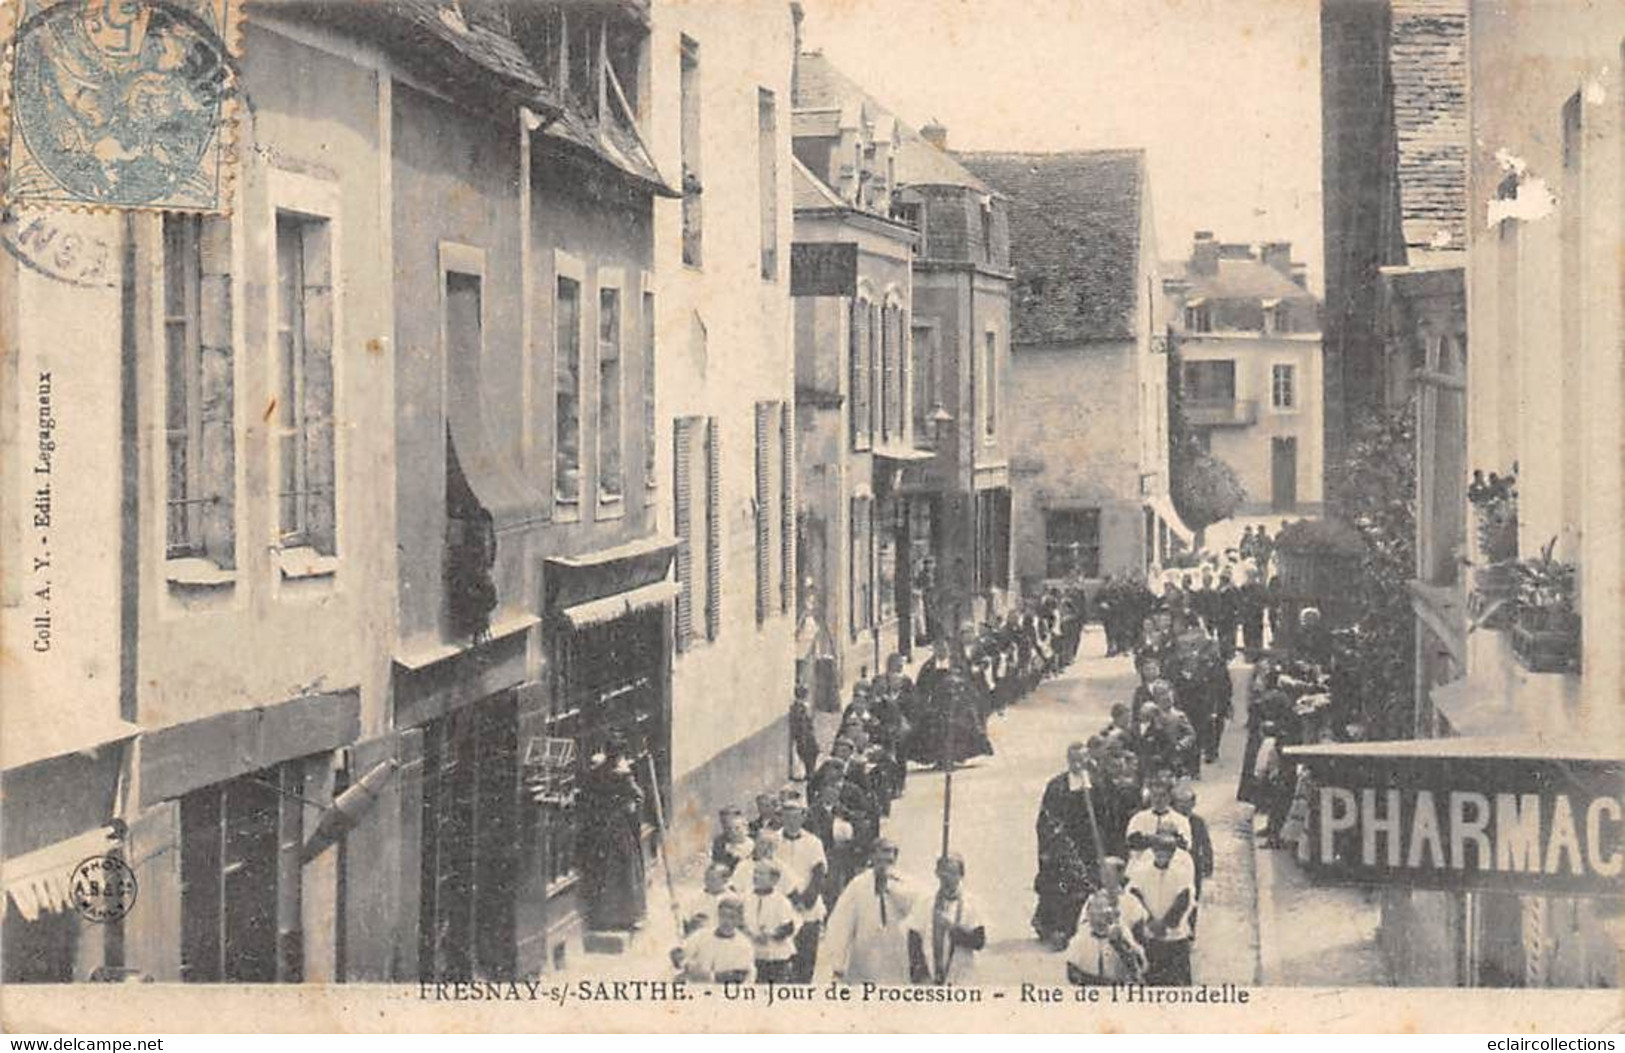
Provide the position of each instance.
(683, 526)
(763, 510)
(787, 507)
(713, 529)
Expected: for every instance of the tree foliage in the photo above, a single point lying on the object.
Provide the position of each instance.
(1375, 493)
(1204, 488)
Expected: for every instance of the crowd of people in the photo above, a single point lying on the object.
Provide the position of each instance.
(808, 888)
(807, 885)
(1120, 845)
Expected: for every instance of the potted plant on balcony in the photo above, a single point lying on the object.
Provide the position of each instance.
(1546, 638)
(1495, 575)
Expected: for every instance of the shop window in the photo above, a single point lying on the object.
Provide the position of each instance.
(200, 440)
(304, 397)
(611, 474)
(1072, 542)
(567, 390)
(240, 878)
(469, 861)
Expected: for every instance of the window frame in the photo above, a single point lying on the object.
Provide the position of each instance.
(767, 170)
(990, 386)
(610, 505)
(567, 508)
(649, 332)
(691, 151)
(1293, 405)
(860, 410)
(1087, 514)
(308, 200)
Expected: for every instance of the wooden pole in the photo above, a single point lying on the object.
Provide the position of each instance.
(665, 848)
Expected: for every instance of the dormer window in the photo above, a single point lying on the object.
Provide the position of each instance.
(1198, 318)
(1272, 316)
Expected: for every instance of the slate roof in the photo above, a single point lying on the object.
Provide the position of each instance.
(457, 43)
(1239, 280)
(1075, 222)
(821, 86)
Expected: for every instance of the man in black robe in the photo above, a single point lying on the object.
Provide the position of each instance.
(611, 808)
(1068, 849)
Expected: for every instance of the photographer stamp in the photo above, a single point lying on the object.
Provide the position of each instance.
(104, 889)
(121, 104)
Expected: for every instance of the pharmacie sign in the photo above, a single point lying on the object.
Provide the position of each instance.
(1461, 821)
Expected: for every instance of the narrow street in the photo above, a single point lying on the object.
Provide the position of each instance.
(995, 801)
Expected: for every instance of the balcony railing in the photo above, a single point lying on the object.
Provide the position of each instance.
(1221, 413)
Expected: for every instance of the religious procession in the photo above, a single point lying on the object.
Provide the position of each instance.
(811, 882)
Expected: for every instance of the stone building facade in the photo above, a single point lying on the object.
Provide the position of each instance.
(1089, 365)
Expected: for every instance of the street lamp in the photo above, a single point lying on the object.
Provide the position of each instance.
(958, 675)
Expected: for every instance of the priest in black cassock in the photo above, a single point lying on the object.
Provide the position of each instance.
(1068, 849)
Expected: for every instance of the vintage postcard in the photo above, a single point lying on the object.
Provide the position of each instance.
(746, 515)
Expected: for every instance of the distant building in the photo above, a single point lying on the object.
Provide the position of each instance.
(1248, 335)
(1393, 164)
(950, 514)
(856, 412)
(1089, 435)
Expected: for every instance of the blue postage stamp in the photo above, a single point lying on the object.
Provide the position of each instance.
(121, 104)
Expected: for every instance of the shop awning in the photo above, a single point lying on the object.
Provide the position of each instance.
(1522, 814)
(606, 574)
(31, 736)
(896, 451)
(1163, 506)
(41, 882)
(609, 608)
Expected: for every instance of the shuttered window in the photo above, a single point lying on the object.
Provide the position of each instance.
(683, 437)
(787, 507)
(713, 529)
(763, 510)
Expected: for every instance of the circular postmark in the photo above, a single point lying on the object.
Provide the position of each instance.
(103, 888)
(120, 101)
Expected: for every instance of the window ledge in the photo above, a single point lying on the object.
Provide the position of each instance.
(197, 572)
(611, 506)
(305, 562)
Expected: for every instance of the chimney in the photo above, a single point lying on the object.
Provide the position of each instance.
(1278, 255)
(1300, 275)
(1235, 250)
(1204, 254)
(797, 17)
(936, 134)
